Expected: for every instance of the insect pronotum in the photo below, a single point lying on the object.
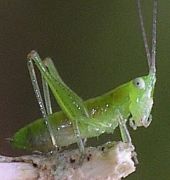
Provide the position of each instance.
(131, 102)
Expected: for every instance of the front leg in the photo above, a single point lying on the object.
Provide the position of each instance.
(124, 130)
(126, 135)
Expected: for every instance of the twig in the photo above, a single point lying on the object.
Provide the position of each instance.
(110, 161)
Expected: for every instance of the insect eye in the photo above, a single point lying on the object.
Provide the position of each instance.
(139, 83)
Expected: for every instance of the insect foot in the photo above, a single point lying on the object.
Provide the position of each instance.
(134, 155)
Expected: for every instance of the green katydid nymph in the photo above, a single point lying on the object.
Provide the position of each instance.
(131, 102)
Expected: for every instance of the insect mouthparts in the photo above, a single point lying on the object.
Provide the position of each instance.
(146, 121)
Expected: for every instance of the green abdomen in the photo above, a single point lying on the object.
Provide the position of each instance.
(104, 118)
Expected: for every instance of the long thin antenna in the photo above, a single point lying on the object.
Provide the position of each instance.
(143, 32)
(150, 54)
(154, 29)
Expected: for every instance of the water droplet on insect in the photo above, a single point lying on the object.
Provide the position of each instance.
(63, 126)
(97, 129)
(75, 103)
(93, 111)
(109, 124)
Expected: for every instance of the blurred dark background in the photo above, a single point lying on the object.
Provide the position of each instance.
(96, 45)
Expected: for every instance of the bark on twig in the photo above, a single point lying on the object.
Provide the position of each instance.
(110, 161)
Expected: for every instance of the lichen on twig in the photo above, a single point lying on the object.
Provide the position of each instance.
(109, 161)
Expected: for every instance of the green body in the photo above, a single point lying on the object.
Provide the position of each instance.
(131, 102)
(133, 99)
